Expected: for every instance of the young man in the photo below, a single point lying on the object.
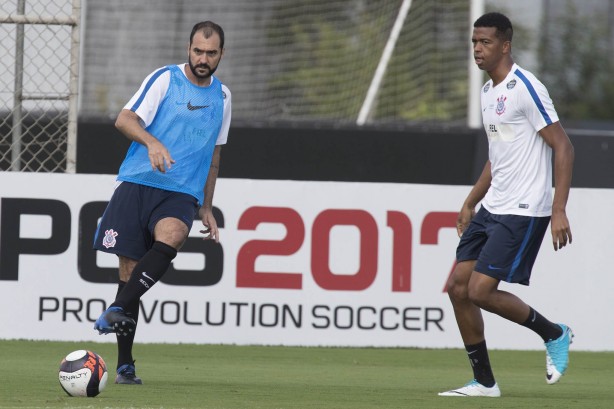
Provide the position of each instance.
(177, 120)
(501, 241)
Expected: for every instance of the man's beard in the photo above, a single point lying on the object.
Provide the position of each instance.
(201, 76)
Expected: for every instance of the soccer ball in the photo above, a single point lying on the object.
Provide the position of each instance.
(83, 373)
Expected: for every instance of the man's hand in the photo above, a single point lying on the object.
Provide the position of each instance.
(210, 231)
(159, 156)
(464, 218)
(561, 232)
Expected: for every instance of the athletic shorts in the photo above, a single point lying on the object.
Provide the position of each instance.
(504, 246)
(128, 223)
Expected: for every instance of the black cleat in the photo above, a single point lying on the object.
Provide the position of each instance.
(115, 319)
(126, 375)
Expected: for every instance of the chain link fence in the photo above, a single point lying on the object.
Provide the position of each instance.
(286, 62)
(298, 62)
(39, 42)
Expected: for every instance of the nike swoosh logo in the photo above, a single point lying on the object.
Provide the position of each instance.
(148, 277)
(195, 107)
(472, 352)
(491, 267)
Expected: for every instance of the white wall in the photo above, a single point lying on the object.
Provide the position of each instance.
(573, 285)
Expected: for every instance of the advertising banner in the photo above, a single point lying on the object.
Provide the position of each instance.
(298, 263)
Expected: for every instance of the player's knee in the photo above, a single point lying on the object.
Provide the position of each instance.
(171, 231)
(457, 285)
(174, 240)
(479, 297)
(456, 290)
(124, 276)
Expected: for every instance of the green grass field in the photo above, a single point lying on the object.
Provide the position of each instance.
(214, 376)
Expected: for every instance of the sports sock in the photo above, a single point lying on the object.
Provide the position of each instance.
(124, 343)
(146, 273)
(540, 325)
(478, 357)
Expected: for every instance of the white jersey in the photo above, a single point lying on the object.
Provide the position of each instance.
(521, 162)
(152, 92)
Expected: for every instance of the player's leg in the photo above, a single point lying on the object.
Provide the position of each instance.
(471, 325)
(152, 266)
(170, 217)
(484, 293)
(120, 232)
(509, 255)
(468, 315)
(169, 235)
(157, 229)
(168, 225)
(136, 278)
(126, 371)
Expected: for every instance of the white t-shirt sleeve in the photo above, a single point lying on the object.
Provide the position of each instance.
(538, 106)
(223, 135)
(147, 99)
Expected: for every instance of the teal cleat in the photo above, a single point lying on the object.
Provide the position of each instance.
(557, 355)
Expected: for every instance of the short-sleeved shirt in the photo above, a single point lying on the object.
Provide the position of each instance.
(189, 120)
(514, 112)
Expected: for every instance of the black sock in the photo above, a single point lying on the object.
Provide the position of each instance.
(124, 343)
(146, 273)
(544, 328)
(478, 357)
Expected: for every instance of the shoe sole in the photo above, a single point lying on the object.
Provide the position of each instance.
(473, 392)
(455, 394)
(120, 382)
(120, 328)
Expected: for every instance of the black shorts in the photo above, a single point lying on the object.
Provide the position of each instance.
(127, 225)
(505, 246)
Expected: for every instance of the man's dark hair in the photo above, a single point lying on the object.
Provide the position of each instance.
(208, 28)
(500, 22)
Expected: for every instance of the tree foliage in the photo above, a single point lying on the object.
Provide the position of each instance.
(344, 41)
(576, 61)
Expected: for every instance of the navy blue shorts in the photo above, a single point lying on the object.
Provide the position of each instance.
(128, 223)
(504, 246)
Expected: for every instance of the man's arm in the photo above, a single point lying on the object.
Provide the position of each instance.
(129, 124)
(206, 211)
(556, 137)
(477, 193)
